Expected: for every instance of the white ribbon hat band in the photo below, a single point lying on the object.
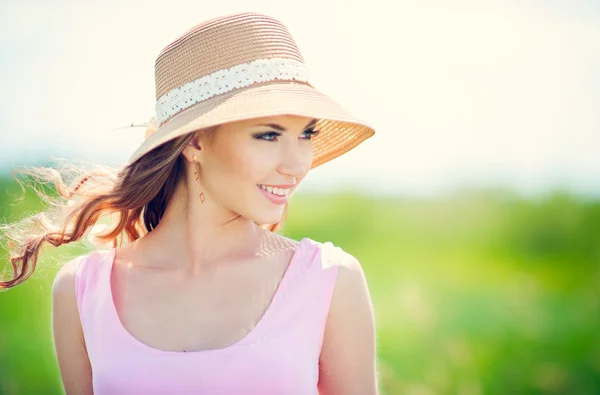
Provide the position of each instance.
(225, 80)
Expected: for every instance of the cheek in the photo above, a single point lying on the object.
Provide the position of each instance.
(243, 165)
(252, 165)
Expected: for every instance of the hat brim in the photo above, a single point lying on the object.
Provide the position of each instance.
(339, 130)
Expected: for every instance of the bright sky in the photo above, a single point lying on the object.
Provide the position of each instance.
(460, 92)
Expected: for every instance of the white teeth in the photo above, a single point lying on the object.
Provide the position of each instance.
(275, 190)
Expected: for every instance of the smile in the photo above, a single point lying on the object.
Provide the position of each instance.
(278, 196)
(275, 190)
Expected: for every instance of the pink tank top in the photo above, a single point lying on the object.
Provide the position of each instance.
(279, 356)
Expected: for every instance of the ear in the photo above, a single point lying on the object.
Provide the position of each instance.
(192, 148)
(197, 145)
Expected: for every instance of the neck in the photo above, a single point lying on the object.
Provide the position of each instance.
(195, 237)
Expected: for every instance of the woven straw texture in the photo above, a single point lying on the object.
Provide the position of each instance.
(223, 42)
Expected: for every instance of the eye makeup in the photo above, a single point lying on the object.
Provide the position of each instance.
(270, 136)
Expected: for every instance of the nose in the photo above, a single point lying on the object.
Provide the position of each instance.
(296, 159)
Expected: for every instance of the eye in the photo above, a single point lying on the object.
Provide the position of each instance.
(270, 136)
(310, 133)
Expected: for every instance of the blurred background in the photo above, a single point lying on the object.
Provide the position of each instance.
(475, 209)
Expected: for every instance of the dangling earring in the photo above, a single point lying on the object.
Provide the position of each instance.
(197, 175)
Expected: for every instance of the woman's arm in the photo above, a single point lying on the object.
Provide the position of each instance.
(348, 356)
(69, 343)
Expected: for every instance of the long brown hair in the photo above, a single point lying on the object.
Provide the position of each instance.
(133, 199)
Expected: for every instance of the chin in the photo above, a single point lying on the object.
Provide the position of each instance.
(268, 218)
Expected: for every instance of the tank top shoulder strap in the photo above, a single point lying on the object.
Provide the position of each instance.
(88, 275)
(324, 260)
(312, 259)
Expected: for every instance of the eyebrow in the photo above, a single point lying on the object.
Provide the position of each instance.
(282, 129)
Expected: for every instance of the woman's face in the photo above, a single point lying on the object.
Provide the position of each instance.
(244, 158)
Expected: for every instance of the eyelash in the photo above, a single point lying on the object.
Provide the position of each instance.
(310, 132)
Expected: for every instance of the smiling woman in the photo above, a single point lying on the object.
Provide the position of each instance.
(198, 293)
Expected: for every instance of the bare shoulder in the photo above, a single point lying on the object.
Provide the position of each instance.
(351, 281)
(348, 355)
(69, 341)
(351, 304)
(64, 281)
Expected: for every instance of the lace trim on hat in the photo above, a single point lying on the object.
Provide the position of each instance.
(225, 80)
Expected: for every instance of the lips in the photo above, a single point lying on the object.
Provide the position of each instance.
(273, 198)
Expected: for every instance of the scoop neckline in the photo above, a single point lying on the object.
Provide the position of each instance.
(244, 340)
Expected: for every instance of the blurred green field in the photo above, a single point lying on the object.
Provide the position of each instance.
(476, 292)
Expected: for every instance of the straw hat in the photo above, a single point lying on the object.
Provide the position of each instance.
(238, 67)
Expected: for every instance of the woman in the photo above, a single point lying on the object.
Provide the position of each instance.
(198, 293)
